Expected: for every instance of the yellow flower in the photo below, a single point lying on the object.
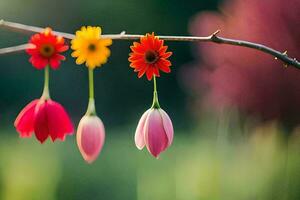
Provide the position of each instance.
(90, 48)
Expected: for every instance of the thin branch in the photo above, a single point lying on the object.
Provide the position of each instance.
(123, 36)
(15, 49)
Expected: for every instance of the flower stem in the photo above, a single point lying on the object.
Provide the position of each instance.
(91, 110)
(46, 94)
(91, 83)
(155, 103)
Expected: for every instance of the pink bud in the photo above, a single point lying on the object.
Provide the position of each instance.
(155, 130)
(90, 137)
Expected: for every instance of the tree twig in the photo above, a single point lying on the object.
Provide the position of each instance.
(15, 49)
(123, 36)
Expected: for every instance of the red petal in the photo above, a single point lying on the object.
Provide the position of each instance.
(41, 129)
(59, 123)
(156, 71)
(38, 62)
(162, 50)
(158, 44)
(166, 55)
(139, 64)
(142, 72)
(134, 57)
(149, 73)
(164, 66)
(54, 62)
(62, 48)
(138, 48)
(25, 120)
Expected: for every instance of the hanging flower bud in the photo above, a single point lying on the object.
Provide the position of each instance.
(90, 137)
(44, 118)
(155, 130)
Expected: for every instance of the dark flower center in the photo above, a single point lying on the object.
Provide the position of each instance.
(92, 47)
(151, 57)
(47, 50)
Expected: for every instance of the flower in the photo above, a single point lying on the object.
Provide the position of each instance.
(44, 118)
(155, 130)
(149, 56)
(90, 137)
(90, 48)
(257, 84)
(45, 49)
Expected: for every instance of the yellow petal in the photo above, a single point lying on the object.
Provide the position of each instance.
(80, 60)
(106, 42)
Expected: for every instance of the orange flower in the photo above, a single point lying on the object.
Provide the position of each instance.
(149, 56)
(46, 49)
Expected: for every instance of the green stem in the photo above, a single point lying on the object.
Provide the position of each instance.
(91, 83)
(46, 94)
(155, 103)
(91, 110)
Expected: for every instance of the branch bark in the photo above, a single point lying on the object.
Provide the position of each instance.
(214, 38)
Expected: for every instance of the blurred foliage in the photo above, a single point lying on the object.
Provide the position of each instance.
(256, 166)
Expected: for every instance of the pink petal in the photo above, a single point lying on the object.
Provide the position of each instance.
(90, 137)
(25, 120)
(168, 126)
(59, 123)
(155, 135)
(139, 137)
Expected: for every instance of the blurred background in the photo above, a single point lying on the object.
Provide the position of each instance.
(235, 111)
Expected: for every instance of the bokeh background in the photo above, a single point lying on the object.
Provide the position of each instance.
(235, 111)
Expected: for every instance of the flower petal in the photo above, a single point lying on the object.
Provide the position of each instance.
(54, 63)
(168, 126)
(59, 123)
(155, 135)
(41, 129)
(24, 123)
(139, 136)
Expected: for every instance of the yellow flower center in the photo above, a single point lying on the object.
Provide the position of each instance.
(47, 50)
(151, 56)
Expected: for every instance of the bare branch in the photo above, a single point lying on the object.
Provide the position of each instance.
(123, 36)
(15, 49)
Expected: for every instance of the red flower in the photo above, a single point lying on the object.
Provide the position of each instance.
(44, 118)
(149, 56)
(46, 49)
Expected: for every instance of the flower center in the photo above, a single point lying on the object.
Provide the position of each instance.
(151, 56)
(92, 47)
(47, 50)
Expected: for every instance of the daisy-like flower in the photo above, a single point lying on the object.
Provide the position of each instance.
(46, 49)
(150, 56)
(90, 48)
